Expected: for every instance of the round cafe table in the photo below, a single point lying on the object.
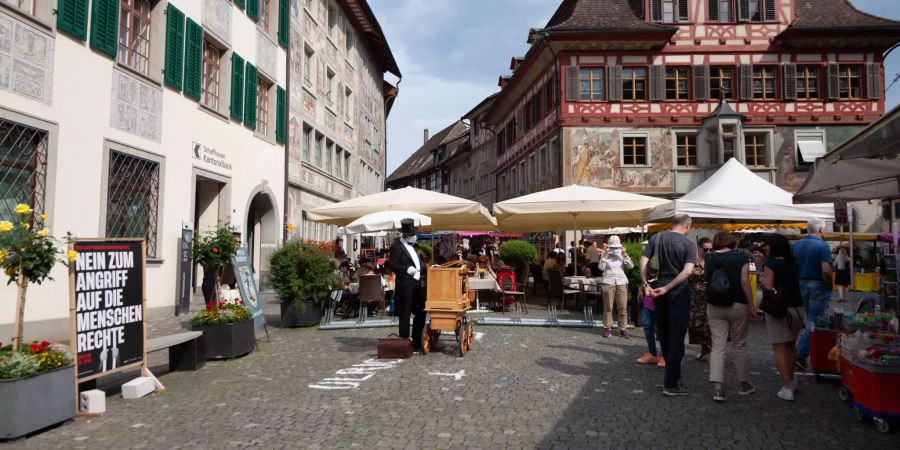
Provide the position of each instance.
(482, 284)
(591, 283)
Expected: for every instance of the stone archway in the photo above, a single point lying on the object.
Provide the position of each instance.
(261, 233)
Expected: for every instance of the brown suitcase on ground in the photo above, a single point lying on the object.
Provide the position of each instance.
(394, 348)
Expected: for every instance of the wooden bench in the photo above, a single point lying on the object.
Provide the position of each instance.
(186, 350)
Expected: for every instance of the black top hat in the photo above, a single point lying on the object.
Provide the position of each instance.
(407, 226)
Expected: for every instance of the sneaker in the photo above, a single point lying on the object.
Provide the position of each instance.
(801, 365)
(719, 395)
(607, 333)
(661, 362)
(648, 358)
(746, 388)
(624, 334)
(678, 391)
(786, 394)
(795, 388)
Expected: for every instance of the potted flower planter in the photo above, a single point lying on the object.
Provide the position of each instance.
(33, 403)
(292, 317)
(228, 340)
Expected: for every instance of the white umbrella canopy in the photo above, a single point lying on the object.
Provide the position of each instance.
(573, 207)
(386, 221)
(446, 211)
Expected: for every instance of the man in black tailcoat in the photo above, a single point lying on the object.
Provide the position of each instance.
(410, 272)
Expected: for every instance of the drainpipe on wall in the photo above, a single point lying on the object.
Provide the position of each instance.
(287, 137)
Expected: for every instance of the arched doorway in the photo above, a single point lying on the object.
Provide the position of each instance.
(261, 236)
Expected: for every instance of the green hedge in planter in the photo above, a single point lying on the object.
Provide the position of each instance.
(518, 254)
(302, 273)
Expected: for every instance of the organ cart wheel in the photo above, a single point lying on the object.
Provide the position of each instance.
(426, 340)
(844, 394)
(859, 414)
(470, 341)
(882, 425)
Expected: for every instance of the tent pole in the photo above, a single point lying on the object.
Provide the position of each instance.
(852, 268)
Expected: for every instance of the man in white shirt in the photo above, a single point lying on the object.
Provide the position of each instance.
(408, 295)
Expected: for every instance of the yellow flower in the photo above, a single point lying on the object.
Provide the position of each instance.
(5, 226)
(23, 209)
(72, 255)
(3, 254)
(10, 271)
(26, 226)
(43, 217)
(290, 227)
(42, 233)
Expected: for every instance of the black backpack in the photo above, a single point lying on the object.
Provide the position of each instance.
(718, 291)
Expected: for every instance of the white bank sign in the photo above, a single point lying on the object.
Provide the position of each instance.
(210, 155)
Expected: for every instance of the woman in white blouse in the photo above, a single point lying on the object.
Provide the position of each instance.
(613, 263)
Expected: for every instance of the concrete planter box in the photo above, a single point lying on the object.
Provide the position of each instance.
(229, 340)
(31, 404)
(291, 317)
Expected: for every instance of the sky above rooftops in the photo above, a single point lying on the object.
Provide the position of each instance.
(451, 53)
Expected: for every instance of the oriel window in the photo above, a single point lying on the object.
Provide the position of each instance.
(755, 149)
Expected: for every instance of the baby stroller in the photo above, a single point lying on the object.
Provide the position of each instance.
(510, 293)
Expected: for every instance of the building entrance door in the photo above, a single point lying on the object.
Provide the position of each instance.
(261, 237)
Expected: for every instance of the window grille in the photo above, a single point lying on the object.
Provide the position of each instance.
(132, 198)
(23, 167)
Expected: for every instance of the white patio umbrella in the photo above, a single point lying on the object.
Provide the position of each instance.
(573, 207)
(446, 211)
(386, 221)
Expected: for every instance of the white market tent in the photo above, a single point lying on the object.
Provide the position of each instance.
(573, 207)
(734, 194)
(385, 221)
(446, 211)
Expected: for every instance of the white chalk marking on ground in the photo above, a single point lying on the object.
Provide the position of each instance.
(81, 438)
(137, 425)
(637, 391)
(456, 376)
(478, 335)
(362, 371)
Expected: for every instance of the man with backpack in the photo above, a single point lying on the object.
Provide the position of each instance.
(666, 265)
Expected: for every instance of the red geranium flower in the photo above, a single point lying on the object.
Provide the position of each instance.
(45, 343)
(215, 249)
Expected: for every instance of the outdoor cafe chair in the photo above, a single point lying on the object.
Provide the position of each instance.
(557, 290)
(371, 292)
(591, 291)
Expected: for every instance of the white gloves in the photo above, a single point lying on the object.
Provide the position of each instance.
(413, 272)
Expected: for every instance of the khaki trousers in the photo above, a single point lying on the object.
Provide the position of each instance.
(619, 294)
(723, 322)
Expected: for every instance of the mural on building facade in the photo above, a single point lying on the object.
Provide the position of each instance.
(595, 159)
(217, 18)
(26, 60)
(136, 106)
(266, 55)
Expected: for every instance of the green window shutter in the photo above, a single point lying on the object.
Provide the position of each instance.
(71, 17)
(283, 23)
(250, 81)
(240, 3)
(173, 72)
(280, 114)
(253, 10)
(237, 87)
(105, 26)
(193, 59)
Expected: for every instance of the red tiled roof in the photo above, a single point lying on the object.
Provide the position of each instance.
(836, 14)
(422, 160)
(617, 16)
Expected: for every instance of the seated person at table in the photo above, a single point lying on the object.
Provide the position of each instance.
(554, 263)
(345, 273)
(369, 269)
(496, 262)
(484, 264)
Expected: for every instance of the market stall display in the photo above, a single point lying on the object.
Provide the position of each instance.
(446, 303)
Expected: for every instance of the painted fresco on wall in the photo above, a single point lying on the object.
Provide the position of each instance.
(136, 106)
(595, 159)
(787, 177)
(266, 55)
(217, 18)
(26, 60)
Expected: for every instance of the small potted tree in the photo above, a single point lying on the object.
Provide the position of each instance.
(37, 381)
(518, 254)
(212, 250)
(303, 275)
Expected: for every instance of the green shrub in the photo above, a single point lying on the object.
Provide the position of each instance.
(518, 254)
(302, 273)
(634, 250)
(426, 250)
(18, 365)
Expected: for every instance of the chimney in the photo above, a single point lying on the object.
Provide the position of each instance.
(425, 135)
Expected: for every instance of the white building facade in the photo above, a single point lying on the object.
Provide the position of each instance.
(139, 118)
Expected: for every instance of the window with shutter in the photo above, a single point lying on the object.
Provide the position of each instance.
(657, 82)
(656, 10)
(769, 12)
(105, 26)
(721, 83)
(764, 82)
(743, 10)
(253, 10)
(193, 59)
(281, 117)
(283, 23)
(591, 84)
(789, 81)
(251, 79)
(746, 84)
(683, 10)
(571, 83)
(237, 87)
(173, 72)
(850, 82)
(873, 81)
(832, 81)
(677, 83)
(807, 82)
(615, 83)
(713, 10)
(71, 17)
(634, 83)
(701, 82)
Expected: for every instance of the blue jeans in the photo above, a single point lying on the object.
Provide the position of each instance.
(649, 331)
(816, 296)
(673, 311)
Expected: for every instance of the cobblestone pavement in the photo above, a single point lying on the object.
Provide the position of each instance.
(519, 388)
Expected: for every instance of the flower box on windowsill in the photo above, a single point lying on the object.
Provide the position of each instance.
(34, 403)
